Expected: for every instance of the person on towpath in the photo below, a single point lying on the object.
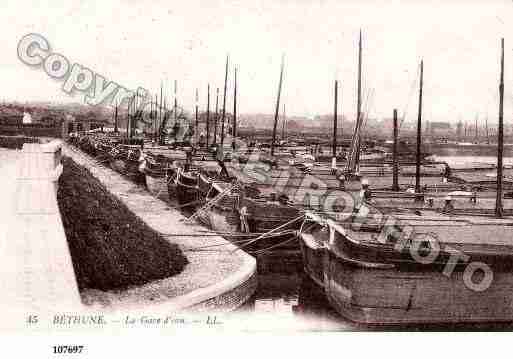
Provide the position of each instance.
(243, 213)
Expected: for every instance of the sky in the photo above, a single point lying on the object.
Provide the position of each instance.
(148, 42)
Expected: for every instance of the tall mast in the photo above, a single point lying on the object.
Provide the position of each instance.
(341, 128)
(419, 131)
(135, 114)
(128, 120)
(216, 116)
(486, 124)
(234, 130)
(160, 103)
(283, 121)
(196, 130)
(477, 134)
(164, 123)
(335, 124)
(208, 113)
(224, 101)
(359, 103)
(156, 120)
(277, 106)
(395, 169)
(159, 134)
(132, 122)
(116, 119)
(175, 110)
(354, 150)
(500, 138)
(133, 119)
(151, 118)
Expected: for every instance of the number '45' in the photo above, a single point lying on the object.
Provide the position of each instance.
(32, 319)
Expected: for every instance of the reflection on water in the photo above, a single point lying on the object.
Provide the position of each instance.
(469, 151)
(285, 292)
(462, 155)
(467, 160)
(295, 299)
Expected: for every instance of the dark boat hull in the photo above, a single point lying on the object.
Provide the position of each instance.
(394, 292)
(125, 159)
(172, 192)
(128, 168)
(186, 190)
(223, 215)
(157, 174)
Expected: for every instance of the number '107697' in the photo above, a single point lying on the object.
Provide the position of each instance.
(68, 349)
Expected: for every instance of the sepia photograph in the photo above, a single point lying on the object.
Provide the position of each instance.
(290, 166)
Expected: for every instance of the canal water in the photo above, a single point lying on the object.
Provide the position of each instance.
(463, 160)
(286, 293)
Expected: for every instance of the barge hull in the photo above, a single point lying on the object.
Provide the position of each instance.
(370, 295)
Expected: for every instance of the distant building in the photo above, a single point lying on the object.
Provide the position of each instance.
(387, 125)
(440, 128)
(10, 120)
(324, 121)
(27, 118)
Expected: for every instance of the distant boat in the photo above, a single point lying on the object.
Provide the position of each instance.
(125, 159)
(466, 144)
(158, 171)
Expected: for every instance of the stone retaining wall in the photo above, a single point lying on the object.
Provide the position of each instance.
(40, 251)
(231, 288)
(232, 299)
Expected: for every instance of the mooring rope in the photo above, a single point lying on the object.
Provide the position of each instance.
(407, 105)
(186, 204)
(266, 234)
(265, 250)
(210, 203)
(239, 234)
(231, 242)
(199, 248)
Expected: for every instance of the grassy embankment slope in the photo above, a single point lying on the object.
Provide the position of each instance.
(111, 248)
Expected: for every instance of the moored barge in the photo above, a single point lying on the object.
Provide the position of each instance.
(372, 280)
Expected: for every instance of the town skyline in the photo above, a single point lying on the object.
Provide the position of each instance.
(150, 47)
